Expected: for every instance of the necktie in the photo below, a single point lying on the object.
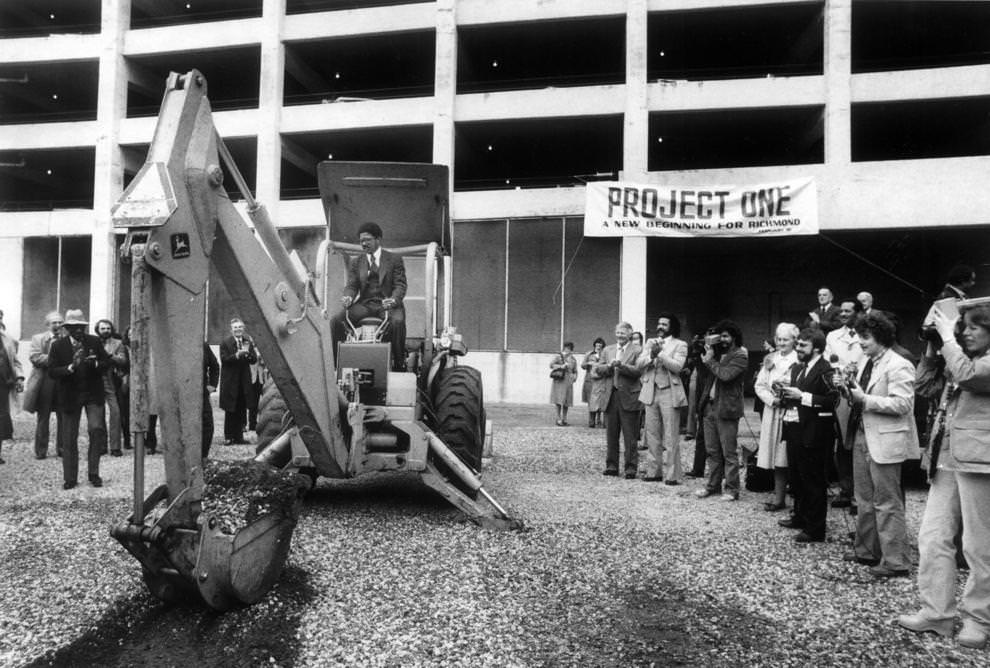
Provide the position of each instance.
(856, 416)
(801, 375)
(372, 265)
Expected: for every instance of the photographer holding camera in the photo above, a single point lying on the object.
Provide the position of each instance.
(722, 400)
(960, 486)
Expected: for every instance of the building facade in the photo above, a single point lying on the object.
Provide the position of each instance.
(885, 104)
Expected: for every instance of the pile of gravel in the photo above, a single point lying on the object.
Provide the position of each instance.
(382, 572)
(236, 493)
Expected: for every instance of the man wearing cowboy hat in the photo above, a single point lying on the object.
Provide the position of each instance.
(77, 362)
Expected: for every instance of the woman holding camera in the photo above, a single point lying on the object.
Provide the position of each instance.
(775, 372)
(563, 372)
(594, 391)
(960, 486)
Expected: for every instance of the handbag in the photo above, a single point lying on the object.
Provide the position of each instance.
(557, 374)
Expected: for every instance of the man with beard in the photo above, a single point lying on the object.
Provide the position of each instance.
(77, 362)
(726, 358)
(618, 362)
(809, 430)
(39, 397)
(119, 363)
(662, 395)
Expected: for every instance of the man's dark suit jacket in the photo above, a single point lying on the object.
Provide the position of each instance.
(827, 323)
(84, 385)
(391, 277)
(235, 374)
(817, 422)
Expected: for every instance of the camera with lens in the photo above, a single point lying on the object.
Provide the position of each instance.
(713, 340)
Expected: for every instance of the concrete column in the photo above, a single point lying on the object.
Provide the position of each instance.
(111, 108)
(838, 81)
(12, 285)
(269, 156)
(635, 152)
(445, 86)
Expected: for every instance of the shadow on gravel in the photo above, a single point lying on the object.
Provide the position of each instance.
(141, 631)
(670, 627)
(403, 490)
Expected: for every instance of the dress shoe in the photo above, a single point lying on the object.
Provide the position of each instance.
(865, 561)
(772, 507)
(96, 481)
(2, 460)
(884, 572)
(704, 493)
(116, 453)
(808, 538)
(228, 441)
(688, 437)
(652, 478)
(565, 423)
(841, 502)
(972, 634)
(672, 482)
(630, 475)
(921, 624)
(68, 485)
(37, 457)
(610, 472)
(853, 511)
(729, 497)
(791, 523)
(692, 474)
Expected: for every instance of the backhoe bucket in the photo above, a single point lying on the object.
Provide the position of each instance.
(240, 569)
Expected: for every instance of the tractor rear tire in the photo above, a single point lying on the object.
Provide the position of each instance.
(459, 410)
(273, 415)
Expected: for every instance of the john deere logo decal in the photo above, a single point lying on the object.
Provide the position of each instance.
(180, 245)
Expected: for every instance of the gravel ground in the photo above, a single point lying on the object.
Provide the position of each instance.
(608, 572)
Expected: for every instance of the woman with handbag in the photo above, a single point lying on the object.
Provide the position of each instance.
(960, 485)
(563, 372)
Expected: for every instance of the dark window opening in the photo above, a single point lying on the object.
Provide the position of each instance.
(912, 35)
(368, 67)
(308, 6)
(30, 18)
(735, 43)
(537, 152)
(56, 277)
(232, 78)
(301, 153)
(541, 55)
(43, 180)
(40, 93)
(921, 129)
(736, 138)
(156, 13)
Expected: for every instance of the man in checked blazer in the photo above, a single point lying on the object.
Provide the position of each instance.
(622, 415)
(376, 283)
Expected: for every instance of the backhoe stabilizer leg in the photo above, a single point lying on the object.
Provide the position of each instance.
(487, 515)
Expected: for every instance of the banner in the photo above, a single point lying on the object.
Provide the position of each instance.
(620, 209)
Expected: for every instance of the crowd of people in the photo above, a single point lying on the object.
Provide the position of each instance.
(74, 372)
(839, 397)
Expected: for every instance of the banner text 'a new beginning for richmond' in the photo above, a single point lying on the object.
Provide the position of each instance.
(620, 209)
